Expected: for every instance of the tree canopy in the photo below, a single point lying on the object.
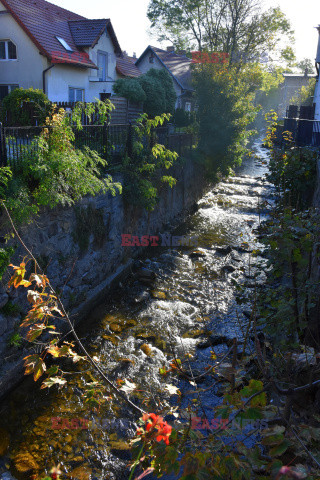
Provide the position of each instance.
(155, 89)
(231, 26)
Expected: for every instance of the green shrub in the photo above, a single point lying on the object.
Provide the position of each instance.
(14, 113)
(130, 89)
(155, 89)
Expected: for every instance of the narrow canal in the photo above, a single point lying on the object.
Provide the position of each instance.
(147, 321)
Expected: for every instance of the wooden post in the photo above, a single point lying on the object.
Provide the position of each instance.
(3, 148)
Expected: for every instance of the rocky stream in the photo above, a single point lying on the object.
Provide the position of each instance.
(177, 302)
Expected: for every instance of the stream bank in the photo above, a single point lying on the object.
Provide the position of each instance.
(193, 295)
(80, 249)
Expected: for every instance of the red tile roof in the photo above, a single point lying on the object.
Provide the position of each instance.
(43, 22)
(127, 68)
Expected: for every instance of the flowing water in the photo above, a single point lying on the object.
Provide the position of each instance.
(142, 328)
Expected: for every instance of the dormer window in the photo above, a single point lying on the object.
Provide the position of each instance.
(8, 50)
(64, 44)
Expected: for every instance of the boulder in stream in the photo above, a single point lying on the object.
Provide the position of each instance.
(224, 250)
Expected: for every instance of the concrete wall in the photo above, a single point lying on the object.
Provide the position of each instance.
(83, 276)
(26, 71)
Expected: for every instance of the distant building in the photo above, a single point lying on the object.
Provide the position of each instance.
(69, 57)
(290, 87)
(179, 67)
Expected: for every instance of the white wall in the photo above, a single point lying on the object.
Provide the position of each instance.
(61, 77)
(27, 70)
(144, 65)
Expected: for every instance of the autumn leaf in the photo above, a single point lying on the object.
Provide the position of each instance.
(39, 369)
(172, 389)
(50, 382)
(128, 387)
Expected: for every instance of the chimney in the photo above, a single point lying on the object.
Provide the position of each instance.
(170, 49)
(134, 55)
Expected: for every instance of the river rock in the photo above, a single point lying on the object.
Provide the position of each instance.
(215, 340)
(25, 464)
(199, 253)
(145, 276)
(228, 269)
(7, 476)
(4, 441)
(120, 449)
(4, 298)
(224, 250)
(3, 325)
(158, 295)
(81, 473)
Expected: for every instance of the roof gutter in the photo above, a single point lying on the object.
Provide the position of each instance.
(44, 77)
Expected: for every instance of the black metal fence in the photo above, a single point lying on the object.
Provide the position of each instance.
(111, 142)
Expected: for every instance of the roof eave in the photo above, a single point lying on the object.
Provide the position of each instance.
(27, 31)
(165, 66)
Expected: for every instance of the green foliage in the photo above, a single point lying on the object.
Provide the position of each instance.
(12, 105)
(155, 89)
(131, 89)
(305, 95)
(225, 109)
(11, 309)
(89, 221)
(58, 174)
(226, 26)
(143, 170)
(15, 340)
(306, 65)
(181, 118)
(5, 256)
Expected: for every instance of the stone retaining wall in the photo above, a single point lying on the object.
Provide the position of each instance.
(80, 250)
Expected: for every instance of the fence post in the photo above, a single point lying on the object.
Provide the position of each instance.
(105, 129)
(3, 148)
(129, 140)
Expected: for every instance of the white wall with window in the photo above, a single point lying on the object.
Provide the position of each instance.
(8, 50)
(76, 94)
(6, 89)
(20, 61)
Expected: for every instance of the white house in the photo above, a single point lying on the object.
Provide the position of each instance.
(179, 67)
(69, 57)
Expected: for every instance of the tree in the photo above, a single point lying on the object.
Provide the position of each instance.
(225, 98)
(305, 95)
(155, 89)
(306, 65)
(231, 26)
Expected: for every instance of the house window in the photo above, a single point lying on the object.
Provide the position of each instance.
(6, 89)
(64, 44)
(76, 94)
(151, 59)
(187, 106)
(103, 66)
(8, 50)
